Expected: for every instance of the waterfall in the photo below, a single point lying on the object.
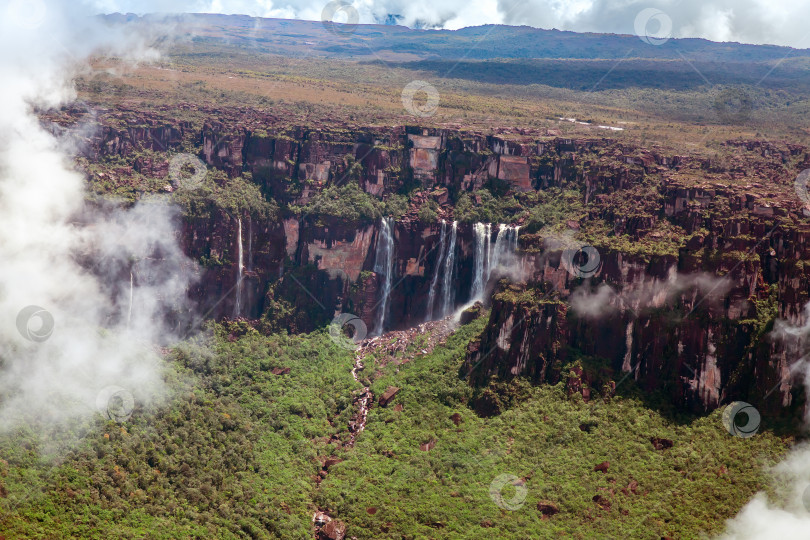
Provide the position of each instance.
(435, 281)
(489, 257)
(449, 266)
(481, 242)
(237, 310)
(384, 265)
(505, 246)
(501, 242)
(488, 250)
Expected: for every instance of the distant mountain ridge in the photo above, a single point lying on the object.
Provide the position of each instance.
(472, 43)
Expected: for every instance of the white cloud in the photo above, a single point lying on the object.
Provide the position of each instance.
(59, 254)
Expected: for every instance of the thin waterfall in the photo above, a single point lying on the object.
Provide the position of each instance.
(481, 243)
(501, 243)
(489, 257)
(237, 309)
(384, 265)
(488, 250)
(505, 245)
(449, 267)
(435, 281)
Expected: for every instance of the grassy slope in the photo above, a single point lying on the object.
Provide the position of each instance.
(235, 451)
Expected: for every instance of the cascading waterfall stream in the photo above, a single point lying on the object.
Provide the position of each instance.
(435, 280)
(384, 265)
(489, 257)
(237, 309)
(448, 295)
(501, 243)
(481, 233)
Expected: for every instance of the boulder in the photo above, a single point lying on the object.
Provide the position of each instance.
(661, 444)
(328, 462)
(334, 530)
(388, 395)
(471, 313)
(547, 508)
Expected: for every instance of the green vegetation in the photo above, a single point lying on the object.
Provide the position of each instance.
(490, 209)
(349, 203)
(429, 212)
(396, 205)
(552, 207)
(444, 492)
(238, 196)
(234, 451)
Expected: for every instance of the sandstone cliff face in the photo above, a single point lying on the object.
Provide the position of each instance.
(701, 340)
(741, 220)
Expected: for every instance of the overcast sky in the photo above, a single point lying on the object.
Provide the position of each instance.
(782, 22)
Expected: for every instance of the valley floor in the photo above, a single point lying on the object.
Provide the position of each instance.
(245, 448)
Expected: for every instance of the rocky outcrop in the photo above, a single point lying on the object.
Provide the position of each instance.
(388, 395)
(735, 216)
(700, 339)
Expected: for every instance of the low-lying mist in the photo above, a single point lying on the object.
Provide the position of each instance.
(85, 291)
